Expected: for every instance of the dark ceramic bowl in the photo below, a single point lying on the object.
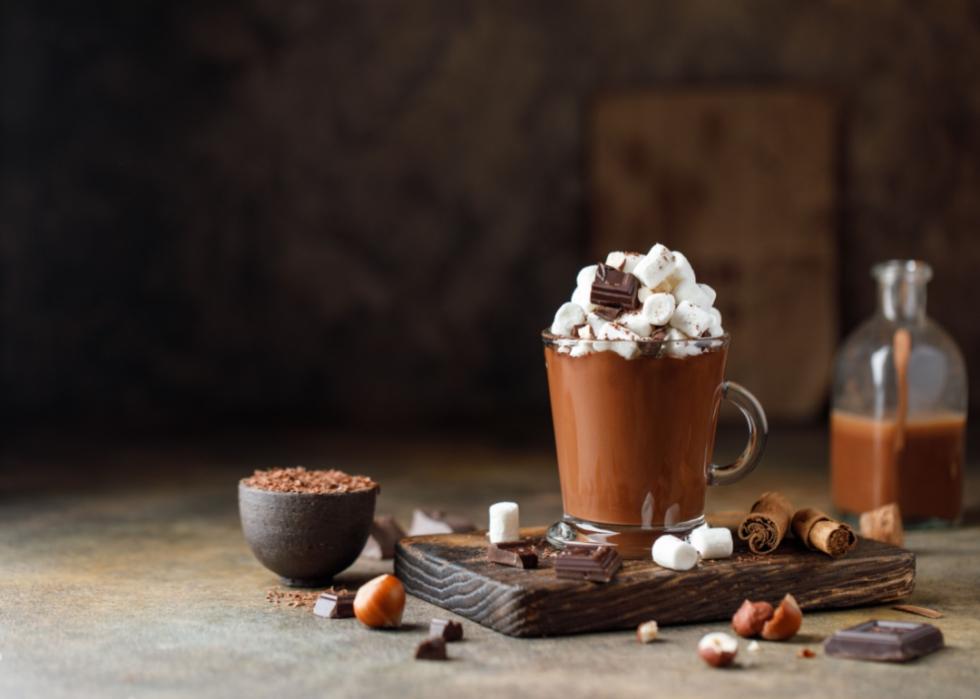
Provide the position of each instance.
(306, 538)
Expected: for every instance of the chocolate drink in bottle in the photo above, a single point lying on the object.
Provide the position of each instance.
(898, 418)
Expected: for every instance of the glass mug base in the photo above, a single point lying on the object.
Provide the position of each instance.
(632, 542)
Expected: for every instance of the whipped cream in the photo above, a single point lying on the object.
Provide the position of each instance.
(632, 298)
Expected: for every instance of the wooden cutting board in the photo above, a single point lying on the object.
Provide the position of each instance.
(451, 571)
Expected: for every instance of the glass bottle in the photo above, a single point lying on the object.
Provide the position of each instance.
(898, 413)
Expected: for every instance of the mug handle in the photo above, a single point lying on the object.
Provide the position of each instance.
(755, 417)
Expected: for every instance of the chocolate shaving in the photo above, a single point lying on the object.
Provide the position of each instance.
(767, 523)
(883, 524)
(614, 288)
(921, 611)
(299, 480)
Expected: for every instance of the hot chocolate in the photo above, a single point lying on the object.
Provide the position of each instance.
(627, 455)
(636, 364)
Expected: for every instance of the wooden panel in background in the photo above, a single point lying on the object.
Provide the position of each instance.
(451, 570)
(741, 181)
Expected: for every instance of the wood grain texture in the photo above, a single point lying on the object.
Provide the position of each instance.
(451, 571)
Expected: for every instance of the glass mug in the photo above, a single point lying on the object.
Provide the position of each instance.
(634, 437)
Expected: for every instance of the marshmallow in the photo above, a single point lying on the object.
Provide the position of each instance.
(582, 297)
(671, 552)
(581, 349)
(676, 347)
(643, 293)
(585, 332)
(658, 309)
(595, 322)
(568, 316)
(712, 542)
(710, 293)
(690, 319)
(714, 328)
(617, 260)
(689, 291)
(586, 276)
(637, 322)
(564, 349)
(504, 522)
(656, 266)
(625, 340)
(682, 270)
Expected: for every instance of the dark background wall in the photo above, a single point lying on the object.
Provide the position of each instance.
(361, 213)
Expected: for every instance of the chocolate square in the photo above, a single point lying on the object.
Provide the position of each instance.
(891, 641)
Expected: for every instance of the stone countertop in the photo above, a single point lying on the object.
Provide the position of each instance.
(128, 576)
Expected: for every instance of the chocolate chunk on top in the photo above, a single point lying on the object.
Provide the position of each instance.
(615, 289)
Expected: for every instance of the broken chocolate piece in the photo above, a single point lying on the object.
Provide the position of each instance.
(514, 554)
(614, 288)
(893, 641)
(608, 312)
(385, 533)
(335, 605)
(595, 563)
(446, 630)
(438, 522)
(431, 649)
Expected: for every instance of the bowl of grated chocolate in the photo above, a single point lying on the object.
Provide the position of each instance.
(306, 525)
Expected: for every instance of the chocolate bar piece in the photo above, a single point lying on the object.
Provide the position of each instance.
(431, 649)
(595, 563)
(438, 522)
(614, 288)
(385, 533)
(894, 641)
(446, 630)
(514, 554)
(335, 605)
(607, 312)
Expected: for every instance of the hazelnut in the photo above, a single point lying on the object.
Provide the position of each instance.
(379, 603)
(718, 649)
(750, 618)
(646, 632)
(785, 622)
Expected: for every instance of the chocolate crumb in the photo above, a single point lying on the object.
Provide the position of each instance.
(299, 480)
(299, 599)
(805, 653)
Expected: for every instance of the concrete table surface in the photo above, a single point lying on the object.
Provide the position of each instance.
(127, 576)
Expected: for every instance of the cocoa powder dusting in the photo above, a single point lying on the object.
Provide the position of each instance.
(299, 480)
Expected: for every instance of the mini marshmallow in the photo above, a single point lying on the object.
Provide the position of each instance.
(643, 293)
(632, 260)
(504, 522)
(595, 322)
(656, 266)
(637, 322)
(712, 542)
(585, 332)
(676, 347)
(710, 293)
(617, 260)
(625, 340)
(581, 349)
(658, 309)
(586, 276)
(682, 270)
(714, 328)
(671, 552)
(690, 319)
(568, 316)
(582, 297)
(689, 291)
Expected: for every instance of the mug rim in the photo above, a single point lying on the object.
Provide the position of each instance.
(550, 339)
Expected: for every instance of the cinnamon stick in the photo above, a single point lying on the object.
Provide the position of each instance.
(818, 531)
(883, 524)
(767, 523)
